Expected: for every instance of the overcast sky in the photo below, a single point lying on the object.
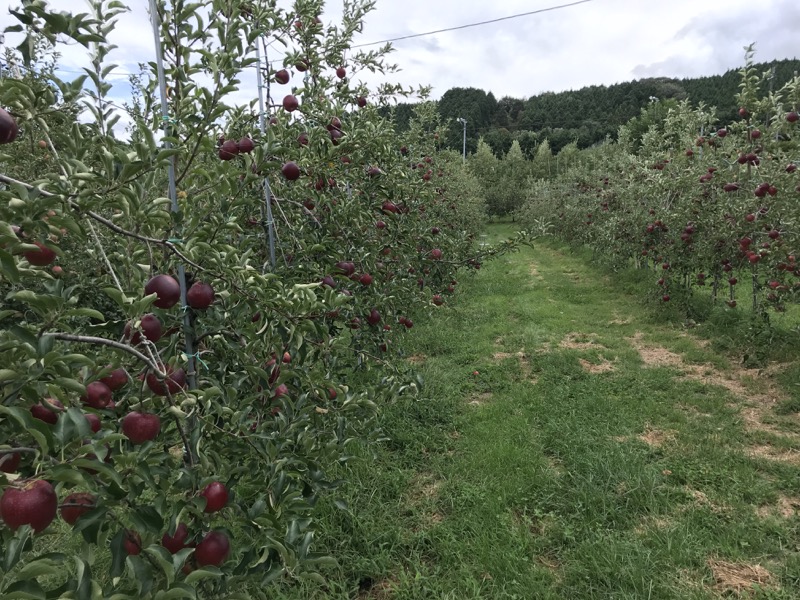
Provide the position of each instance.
(598, 42)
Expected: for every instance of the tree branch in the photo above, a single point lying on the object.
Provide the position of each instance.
(88, 339)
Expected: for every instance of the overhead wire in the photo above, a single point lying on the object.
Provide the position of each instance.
(490, 21)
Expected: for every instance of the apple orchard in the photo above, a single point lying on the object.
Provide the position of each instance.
(200, 318)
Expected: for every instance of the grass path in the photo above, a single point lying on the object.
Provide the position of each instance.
(566, 445)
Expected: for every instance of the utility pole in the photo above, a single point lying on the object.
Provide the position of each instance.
(464, 143)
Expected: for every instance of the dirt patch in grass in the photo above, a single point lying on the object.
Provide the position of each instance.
(522, 357)
(765, 451)
(652, 355)
(376, 589)
(650, 523)
(580, 341)
(756, 387)
(480, 399)
(417, 359)
(700, 499)
(785, 507)
(535, 272)
(604, 366)
(656, 438)
(736, 578)
(753, 421)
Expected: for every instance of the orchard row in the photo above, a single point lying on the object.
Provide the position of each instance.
(198, 327)
(700, 203)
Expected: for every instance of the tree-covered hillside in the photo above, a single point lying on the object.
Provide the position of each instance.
(585, 116)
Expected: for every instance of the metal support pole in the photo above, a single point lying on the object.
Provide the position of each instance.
(464, 142)
(191, 371)
(270, 225)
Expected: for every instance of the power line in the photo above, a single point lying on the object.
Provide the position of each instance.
(525, 14)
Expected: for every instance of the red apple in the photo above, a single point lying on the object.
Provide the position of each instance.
(94, 422)
(141, 427)
(41, 257)
(282, 76)
(290, 103)
(98, 395)
(346, 268)
(47, 410)
(365, 279)
(174, 383)
(374, 317)
(291, 171)
(10, 462)
(792, 117)
(245, 145)
(361, 101)
(166, 288)
(116, 379)
(228, 150)
(34, 503)
(341, 73)
(437, 300)
(213, 549)
(150, 326)
(200, 295)
(216, 495)
(436, 254)
(177, 541)
(8, 127)
(75, 505)
(132, 542)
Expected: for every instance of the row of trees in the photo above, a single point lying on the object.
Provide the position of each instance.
(201, 319)
(703, 204)
(505, 179)
(585, 116)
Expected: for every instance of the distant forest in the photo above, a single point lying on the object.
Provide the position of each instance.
(585, 116)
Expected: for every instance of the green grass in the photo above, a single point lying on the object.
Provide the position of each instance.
(535, 478)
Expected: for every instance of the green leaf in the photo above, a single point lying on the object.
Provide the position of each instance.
(118, 554)
(8, 267)
(7, 375)
(16, 546)
(179, 591)
(39, 430)
(85, 312)
(40, 568)
(84, 576)
(204, 573)
(143, 574)
(24, 589)
(70, 385)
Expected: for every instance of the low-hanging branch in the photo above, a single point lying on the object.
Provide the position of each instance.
(90, 339)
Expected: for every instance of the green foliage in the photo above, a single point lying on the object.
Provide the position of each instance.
(589, 115)
(288, 366)
(711, 209)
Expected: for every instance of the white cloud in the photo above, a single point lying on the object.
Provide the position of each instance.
(601, 42)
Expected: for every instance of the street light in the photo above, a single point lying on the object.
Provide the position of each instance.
(464, 145)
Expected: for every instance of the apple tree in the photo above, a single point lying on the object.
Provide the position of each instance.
(200, 318)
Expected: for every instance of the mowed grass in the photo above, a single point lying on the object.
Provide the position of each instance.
(568, 444)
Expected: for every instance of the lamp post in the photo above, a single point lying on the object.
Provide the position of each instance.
(464, 143)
